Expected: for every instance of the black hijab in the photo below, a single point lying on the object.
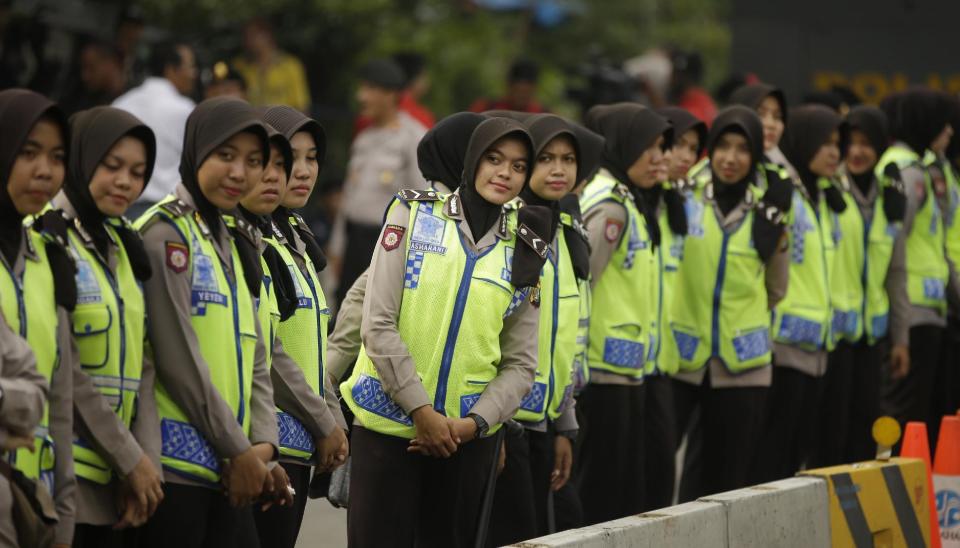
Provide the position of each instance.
(630, 129)
(591, 146)
(93, 133)
(682, 122)
(589, 159)
(211, 124)
(544, 128)
(441, 151)
(873, 123)
(743, 121)
(751, 95)
(20, 110)
(290, 121)
(810, 128)
(916, 117)
(481, 214)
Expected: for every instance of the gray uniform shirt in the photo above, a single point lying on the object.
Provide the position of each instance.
(97, 422)
(179, 363)
(23, 392)
(389, 354)
(776, 278)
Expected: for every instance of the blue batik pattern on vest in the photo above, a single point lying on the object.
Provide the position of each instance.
(752, 344)
(293, 434)
(800, 330)
(686, 344)
(368, 393)
(801, 225)
(411, 278)
(535, 398)
(181, 441)
(467, 402)
(623, 353)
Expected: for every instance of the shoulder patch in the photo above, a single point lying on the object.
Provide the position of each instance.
(247, 230)
(178, 256)
(612, 230)
(621, 191)
(413, 195)
(533, 240)
(392, 236)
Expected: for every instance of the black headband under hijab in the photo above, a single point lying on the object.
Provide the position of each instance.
(211, 124)
(917, 116)
(630, 129)
(440, 153)
(93, 133)
(290, 121)
(20, 110)
(742, 121)
(751, 95)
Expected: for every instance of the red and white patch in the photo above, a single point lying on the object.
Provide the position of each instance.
(612, 231)
(178, 257)
(392, 236)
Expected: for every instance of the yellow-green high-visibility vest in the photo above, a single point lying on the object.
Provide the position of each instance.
(624, 298)
(451, 316)
(670, 253)
(225, 320)
(109, 324)
(29, 306)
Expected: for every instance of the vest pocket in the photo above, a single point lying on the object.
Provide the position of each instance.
(628, 350)
(749, 344)
(470, 394)
(687, 340)
(91, 326)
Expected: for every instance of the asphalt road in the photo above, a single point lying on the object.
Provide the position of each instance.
(323, 526)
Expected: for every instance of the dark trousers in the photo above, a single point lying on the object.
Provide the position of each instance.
(947, 384)
(912, 398)
(850, 404)
(730, 422)
(102, 536)
(279, 526)
(790, 423)
(360, 242)
(193, 517)
(691, 472)
(611, 466)
(520, 499)
(405, 499)
(660, 442)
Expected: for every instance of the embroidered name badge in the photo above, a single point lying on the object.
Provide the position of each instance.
(303, 301)
(178, 256)
(612, 230)
(88, 290)
(204, 288)
(427, 234)
(392, 234)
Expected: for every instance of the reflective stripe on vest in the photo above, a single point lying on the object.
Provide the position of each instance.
(559, 315)
(723, 313)
(108, 327)
(624, 304)
(802, 318)
(222, 312)
(29, 306)
(453, 306)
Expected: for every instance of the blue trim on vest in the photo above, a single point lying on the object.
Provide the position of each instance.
(368, 394)
(686, 344)
(535, 398)
(844, 323)
(293, 435)
(752, 344)
(183, 442)
(795, 329)
(467, 402)
(880, 324)
(623, 353)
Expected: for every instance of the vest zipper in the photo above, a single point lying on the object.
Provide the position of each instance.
(114, 286)
(553, 332)
(717, 291)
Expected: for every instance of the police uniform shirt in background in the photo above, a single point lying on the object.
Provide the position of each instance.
(440, 159)
(753, 96)
(214, 394)
(114, 379)
(802, 320)
(868, 295)
(520, 504)
(24, 392)
(624, 269)
(475, 359)
(383, 161)
(36, 289)
(721, 340)
(917, 117)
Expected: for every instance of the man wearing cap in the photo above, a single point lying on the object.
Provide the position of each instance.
(383, 161)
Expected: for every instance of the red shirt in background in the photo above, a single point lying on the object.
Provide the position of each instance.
(483, 105)
(698, 102)
(407, 104)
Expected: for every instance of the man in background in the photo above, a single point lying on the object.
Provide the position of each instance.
(521, 93)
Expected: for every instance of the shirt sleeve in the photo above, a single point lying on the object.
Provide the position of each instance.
(381, 311)
(146, 423)
(777, 274)
(61, 430)
(179, 364)
(605, 223)
(343, 346)
(23, 390)
(293, 394)
(518, 365)
(896, 286)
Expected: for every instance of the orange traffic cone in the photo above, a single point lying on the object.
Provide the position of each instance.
(915, 445)
(946, 480)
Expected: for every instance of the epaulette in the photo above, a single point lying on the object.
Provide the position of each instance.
(532, 239)
(685, 185)
(176, 208)
(621, 191)
(413, 195)
(296, 220)
(247, 230)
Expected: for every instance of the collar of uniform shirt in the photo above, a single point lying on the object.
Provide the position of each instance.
(453, 209)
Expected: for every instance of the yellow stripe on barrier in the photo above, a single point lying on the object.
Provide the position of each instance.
(878, 503)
